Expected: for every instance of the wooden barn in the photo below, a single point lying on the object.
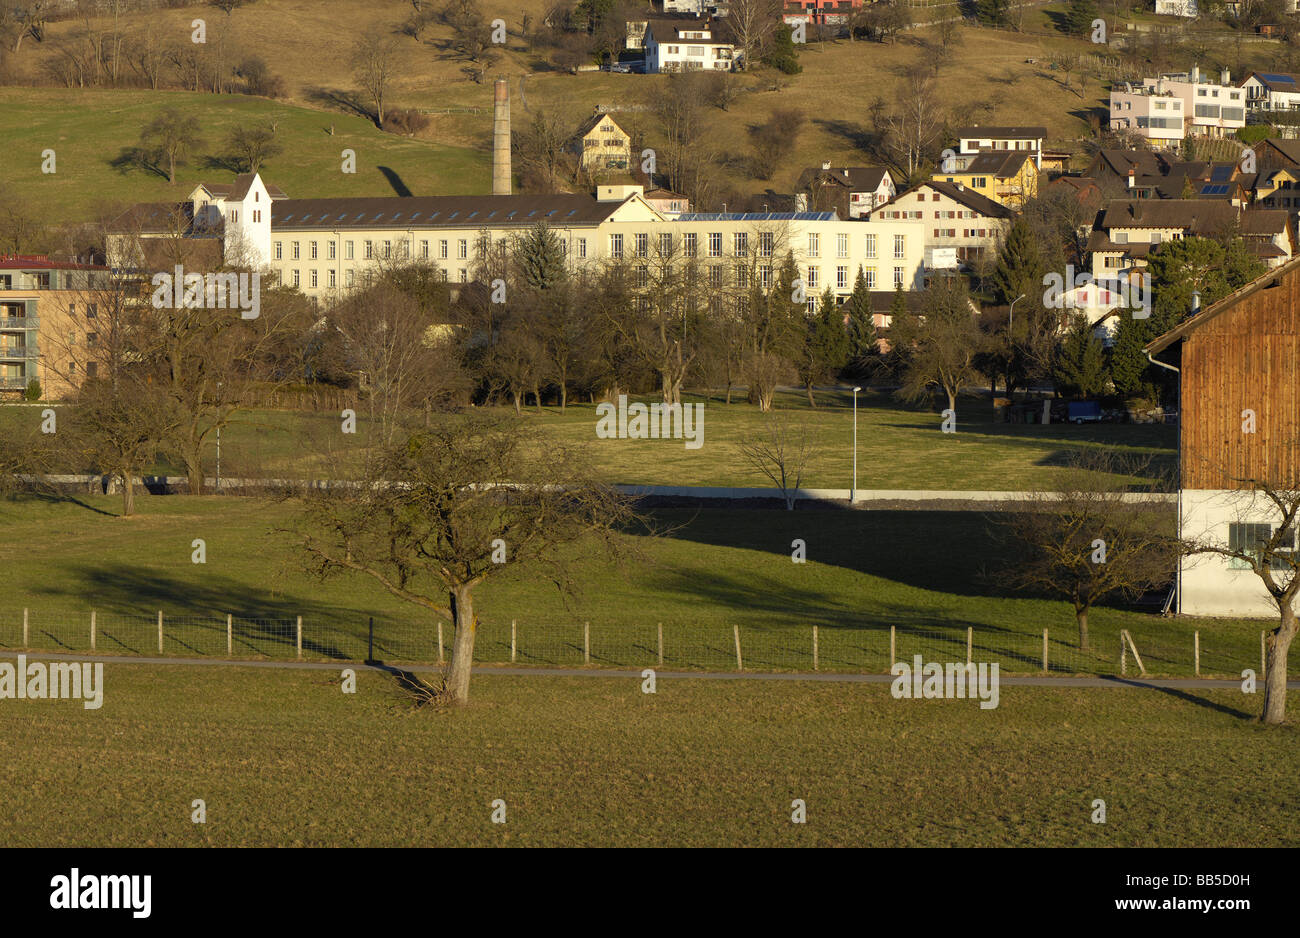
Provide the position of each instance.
(1239, 367)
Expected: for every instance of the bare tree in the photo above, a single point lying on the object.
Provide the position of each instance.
(252, 146)
(754, 23)
(373, 65)
(401, 358)
(169, 138)
(912, 131)
(1089, 537)
(436, 513)
(780, 452)
(940, 346)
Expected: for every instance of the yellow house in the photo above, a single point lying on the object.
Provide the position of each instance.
(1279, 188)
(1008, 177)
(603, 146)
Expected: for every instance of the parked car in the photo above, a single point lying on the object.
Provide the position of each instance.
(1081, 412)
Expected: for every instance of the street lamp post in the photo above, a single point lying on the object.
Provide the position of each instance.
(853, 492)
(1011, 314)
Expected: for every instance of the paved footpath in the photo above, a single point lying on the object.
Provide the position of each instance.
(843, 678)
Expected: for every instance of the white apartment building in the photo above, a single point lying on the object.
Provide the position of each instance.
(958, 225)
(1271, 91)
(688, 45)
(976, 139)
(1210, 109)
(1156, 115)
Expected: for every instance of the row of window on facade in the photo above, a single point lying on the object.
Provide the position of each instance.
(766, 246)
(665, 245)
(716, 275)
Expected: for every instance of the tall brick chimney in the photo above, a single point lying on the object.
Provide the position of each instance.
(501, 139)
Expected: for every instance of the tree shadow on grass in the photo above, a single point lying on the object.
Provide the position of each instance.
(265, 622)
(338, 99)
(1183, 695)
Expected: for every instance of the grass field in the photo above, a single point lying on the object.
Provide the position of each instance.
(929, 574)
(285, 758)
(899, 446)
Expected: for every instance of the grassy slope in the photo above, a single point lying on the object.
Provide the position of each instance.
(985, 77)
(899, 447)
(923, 572)
(88, 129)
(287, 759)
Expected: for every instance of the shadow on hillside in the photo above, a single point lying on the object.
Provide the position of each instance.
(394, 180)
(224, 163)
(346, 101)
(135, 158)
(851, 133)
(955, 552)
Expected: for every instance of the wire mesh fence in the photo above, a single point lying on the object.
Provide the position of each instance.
(699, 646)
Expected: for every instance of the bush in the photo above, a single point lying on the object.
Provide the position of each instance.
(405, 121)
(33, 392)
(258, 79)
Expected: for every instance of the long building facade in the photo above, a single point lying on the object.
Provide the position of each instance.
(326, 247)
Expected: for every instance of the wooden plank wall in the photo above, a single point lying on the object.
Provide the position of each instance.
(1247, 358)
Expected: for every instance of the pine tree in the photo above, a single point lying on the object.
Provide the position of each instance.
(1079, 16)
(826, 345)
(1080, 365)
(1020, 267)
(862, 321)
(992, 12)
(539, 257)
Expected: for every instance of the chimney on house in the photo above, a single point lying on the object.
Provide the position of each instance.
(1196, 74)
(1225, 77)
(846, 172)
(501, 139)
(1196, 302)
(1131, 181)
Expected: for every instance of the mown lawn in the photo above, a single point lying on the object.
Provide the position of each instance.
(900, 446)
(931, 575)
(285, 758)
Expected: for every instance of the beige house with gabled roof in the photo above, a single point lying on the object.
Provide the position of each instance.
(603, 146)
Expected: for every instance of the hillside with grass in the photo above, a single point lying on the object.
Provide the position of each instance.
(989, 76)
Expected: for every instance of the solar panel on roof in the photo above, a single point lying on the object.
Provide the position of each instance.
(1214, 190)
(1285, 79)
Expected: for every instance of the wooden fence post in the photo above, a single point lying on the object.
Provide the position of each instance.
(24, 626)
(92, 630)
(160, 638)
(740, 666)
(661, 644)
(1045, 669)
(586, 643)
(1125, 635)
(1263, 656)
(1123, 654)
(512, 641)
(440, 642)
(814, 648)
(1196, 650)
(892, 648)
(230, 634)
(970, 636)
(300, 638)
